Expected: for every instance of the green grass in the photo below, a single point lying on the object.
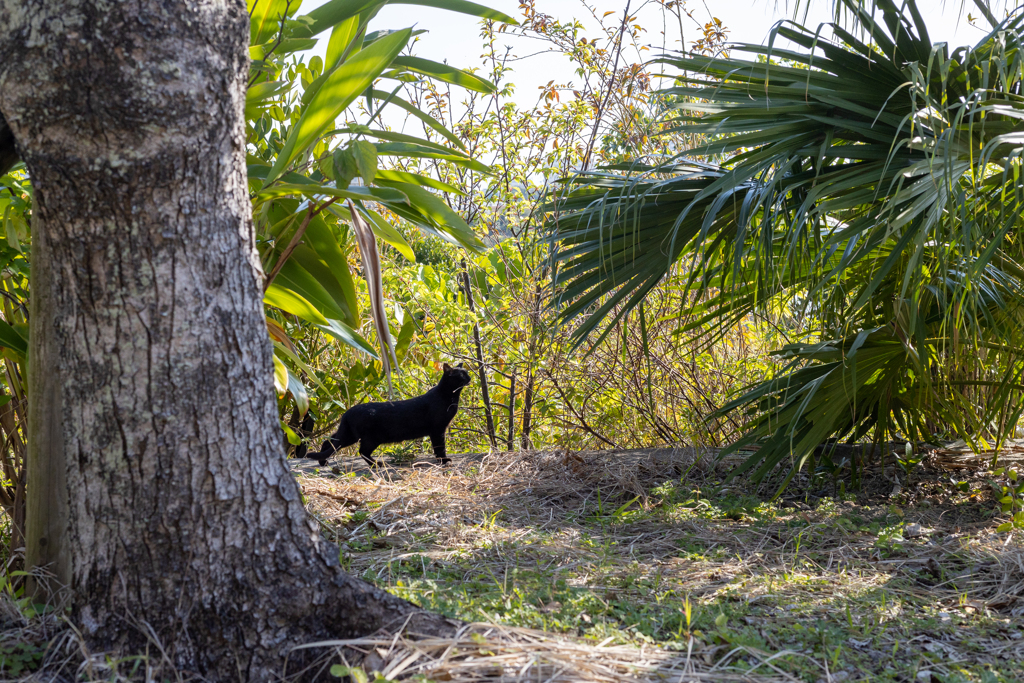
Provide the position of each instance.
(837, 584)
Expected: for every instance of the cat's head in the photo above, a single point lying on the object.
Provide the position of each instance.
(455, 378)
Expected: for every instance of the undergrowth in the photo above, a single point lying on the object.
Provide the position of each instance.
(915, 586)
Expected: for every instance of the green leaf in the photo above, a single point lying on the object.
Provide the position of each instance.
(264, 19)
(292, 437)
(314, 191)
(333, 13)
(280, 376)
(438, 214)
(427, 119)
(289, 301)
(322, 241)
(266, 90)
(298, 392)
(337, 93)
(346, 335)
(294, 276)
(462, 7)
(1003, 528)
(387, 232)
(416, 179)
(345, 166)
(341, 37)
(406, 149)
(405, 336)
(10, 338)
(445, 73)
(365, 156)
(325, 277)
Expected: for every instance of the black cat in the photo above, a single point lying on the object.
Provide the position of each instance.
(373, 424)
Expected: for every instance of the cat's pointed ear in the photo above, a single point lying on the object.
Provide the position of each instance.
(460, 365)
(447, 368)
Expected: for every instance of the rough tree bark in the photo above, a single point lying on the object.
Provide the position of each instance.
(183, 516)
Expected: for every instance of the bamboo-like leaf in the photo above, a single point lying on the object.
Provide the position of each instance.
(463, 7)
(264, 19)
(293, 303)
(445, 73)
(337, 92)
(437, 214)
(427, 119)
(9, 338)
(280, 376)
(349, 336)
(335, 12)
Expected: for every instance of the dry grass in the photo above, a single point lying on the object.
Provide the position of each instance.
(931, 572)
(486, 652)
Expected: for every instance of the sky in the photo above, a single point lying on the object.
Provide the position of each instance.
(454, 38)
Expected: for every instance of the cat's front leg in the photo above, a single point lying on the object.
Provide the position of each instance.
(366, 449)
(437, 441)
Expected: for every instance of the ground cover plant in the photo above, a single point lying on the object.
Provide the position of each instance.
(651, 548)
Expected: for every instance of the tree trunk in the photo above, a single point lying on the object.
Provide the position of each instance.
(184, 520)
(46, 542)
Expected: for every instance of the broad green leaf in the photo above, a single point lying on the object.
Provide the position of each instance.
(427, 119)
(334, 12)
(325, 277)
(438, 214)
(314, 191)
(462, 7)
(264, 19)
(298, 391)
(295, 277)
(392, 136)
(322, 241)
(292, 437)
(264, 91)
(406, 149)
(280, 376)
(445, 73)
(293, 357)
(343, 161)
(405, 336)
(337, 92)
(365, 156)
(290, 302)
(416, 179)
(10, 338)
(346, 335)
(387, 232)
(341, 37)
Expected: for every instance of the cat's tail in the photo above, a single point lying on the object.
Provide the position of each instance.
(340, 439)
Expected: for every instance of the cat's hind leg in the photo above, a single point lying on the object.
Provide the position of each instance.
(437, 441)
(340, 439)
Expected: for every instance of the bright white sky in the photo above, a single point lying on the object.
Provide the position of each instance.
(454, 38)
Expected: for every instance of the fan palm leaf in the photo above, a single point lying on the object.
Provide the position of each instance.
(871, 188)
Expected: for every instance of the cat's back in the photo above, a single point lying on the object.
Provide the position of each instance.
(385, 407)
